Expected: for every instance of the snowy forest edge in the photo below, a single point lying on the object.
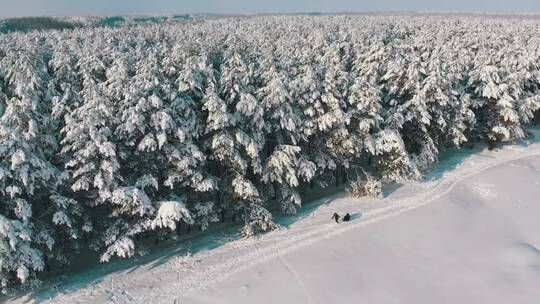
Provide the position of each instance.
(109, 135)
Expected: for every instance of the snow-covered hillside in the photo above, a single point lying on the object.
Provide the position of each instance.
(467, 235)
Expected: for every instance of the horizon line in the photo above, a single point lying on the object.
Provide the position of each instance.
(374, 12)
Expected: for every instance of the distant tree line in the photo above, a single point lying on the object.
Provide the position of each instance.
(26, 24)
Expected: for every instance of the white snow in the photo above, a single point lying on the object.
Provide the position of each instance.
(470, 236)
(485, 190)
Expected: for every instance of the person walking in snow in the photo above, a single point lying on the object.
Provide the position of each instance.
(336, 217)
(347, 217)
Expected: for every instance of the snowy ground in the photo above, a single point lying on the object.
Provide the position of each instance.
(475, 239)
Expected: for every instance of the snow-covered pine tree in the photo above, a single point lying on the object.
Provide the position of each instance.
(283, 136)
(244, 135)
(88, 144)
(35, 223)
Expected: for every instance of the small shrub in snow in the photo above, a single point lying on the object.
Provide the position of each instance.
(368, 187)
(258, 220)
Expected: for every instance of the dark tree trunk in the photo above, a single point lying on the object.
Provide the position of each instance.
(47, 265)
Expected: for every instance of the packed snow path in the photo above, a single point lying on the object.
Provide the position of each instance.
(347, 255)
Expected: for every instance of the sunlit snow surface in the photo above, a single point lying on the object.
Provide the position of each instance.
(478, 243)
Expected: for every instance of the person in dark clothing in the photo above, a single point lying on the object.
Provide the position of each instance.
(336, 217)
(347, 217)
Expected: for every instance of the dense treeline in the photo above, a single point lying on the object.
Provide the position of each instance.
(26, 24)
(108, 135)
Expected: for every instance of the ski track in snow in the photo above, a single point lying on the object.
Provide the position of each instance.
(293, 273)
(485, 190)
(170, 282)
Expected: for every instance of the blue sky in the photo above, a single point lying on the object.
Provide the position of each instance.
(113, 7)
